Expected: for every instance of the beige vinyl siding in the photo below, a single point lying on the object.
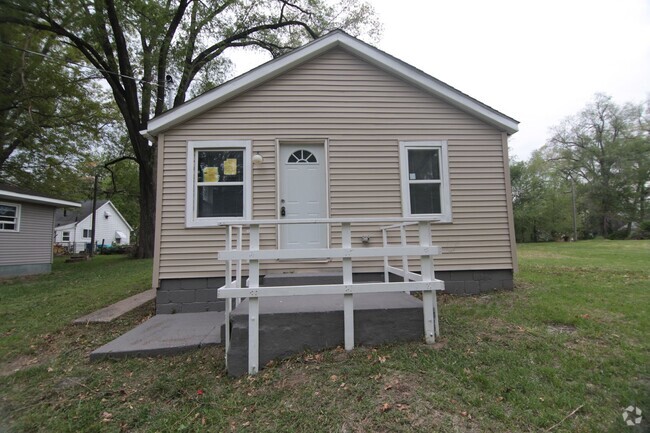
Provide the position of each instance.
(32, 245)
(362, 113)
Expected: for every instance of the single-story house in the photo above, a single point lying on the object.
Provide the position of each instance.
(335, 129)
(26, 230)
(73, 227)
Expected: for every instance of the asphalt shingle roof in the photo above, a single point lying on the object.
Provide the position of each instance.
(68, 216)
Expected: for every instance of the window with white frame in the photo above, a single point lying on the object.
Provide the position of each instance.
(87, 233)
(425, 179)
(9, 217)
(218, 182)
(65, 236)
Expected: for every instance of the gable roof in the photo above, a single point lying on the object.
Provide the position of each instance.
(72, 217)
(66, 216)
(334, 39)
(11, 192)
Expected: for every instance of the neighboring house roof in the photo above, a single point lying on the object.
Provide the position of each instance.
(336, 38)
(70, 218)
(11, 192)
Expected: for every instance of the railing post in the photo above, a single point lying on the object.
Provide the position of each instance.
(428, 296)
(384, 236)
(405, 259)
(227, 301)
(253, 303)
(240, 229)
(348, 300)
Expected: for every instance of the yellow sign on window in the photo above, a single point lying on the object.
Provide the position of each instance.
(210, 174)
(230, 167)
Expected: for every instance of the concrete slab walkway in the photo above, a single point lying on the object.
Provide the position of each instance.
(166, 334)
(114, 311)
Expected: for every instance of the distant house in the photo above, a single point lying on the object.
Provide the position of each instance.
(73, 228)
(26, 230)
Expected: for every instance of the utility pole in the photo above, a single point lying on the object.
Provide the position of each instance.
(92, 233)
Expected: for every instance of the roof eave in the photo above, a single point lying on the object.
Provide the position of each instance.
(10, 195)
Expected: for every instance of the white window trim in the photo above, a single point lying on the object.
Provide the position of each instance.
(63, 234)
(18, 214)
(445, 199)
(191, 220)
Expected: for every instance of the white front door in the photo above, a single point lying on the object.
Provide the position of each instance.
(303, 195)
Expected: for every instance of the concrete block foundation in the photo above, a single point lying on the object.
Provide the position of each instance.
(189, 295)
(194, 295)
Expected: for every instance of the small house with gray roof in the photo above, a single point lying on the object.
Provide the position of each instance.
(26, 230)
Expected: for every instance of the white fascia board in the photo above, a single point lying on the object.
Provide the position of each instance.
(8, 195)
(374, 56)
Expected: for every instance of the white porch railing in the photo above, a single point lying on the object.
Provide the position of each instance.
(426, 282)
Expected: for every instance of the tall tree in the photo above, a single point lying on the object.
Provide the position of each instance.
(48, 123)
(605, 150)
(541, 199)
(136, 44)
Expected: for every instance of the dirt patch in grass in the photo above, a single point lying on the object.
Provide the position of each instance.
(18, 364)
(496, 330)
(293, 379)
(559, 328)
(400, 392)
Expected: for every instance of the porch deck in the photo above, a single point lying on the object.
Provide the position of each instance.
(293, 324)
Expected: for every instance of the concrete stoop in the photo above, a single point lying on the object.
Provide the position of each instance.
(165, 334)
(291, 325)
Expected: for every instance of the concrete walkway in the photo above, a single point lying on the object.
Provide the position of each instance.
(114, 311)
(166, 334)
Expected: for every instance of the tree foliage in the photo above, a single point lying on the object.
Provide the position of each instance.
(604, 150)
(137, 44)
(541, 201)
(48, 124)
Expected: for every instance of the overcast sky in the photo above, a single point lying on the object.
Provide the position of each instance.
(537, 62)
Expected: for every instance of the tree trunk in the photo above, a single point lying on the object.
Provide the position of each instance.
(146, 231)
(147, 183)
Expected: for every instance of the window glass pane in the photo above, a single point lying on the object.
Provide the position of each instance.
(220, 166)
(303, 156)
(220, 201)
(9, 212)
(7, 226)
(425, 198)
(423, 164)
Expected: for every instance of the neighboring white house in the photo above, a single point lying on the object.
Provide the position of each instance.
(73, 228)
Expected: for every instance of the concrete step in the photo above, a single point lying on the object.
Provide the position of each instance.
(306, 279)
(274, 280)
(291, 325)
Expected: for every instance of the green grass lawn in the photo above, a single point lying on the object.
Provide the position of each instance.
(572, 335)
